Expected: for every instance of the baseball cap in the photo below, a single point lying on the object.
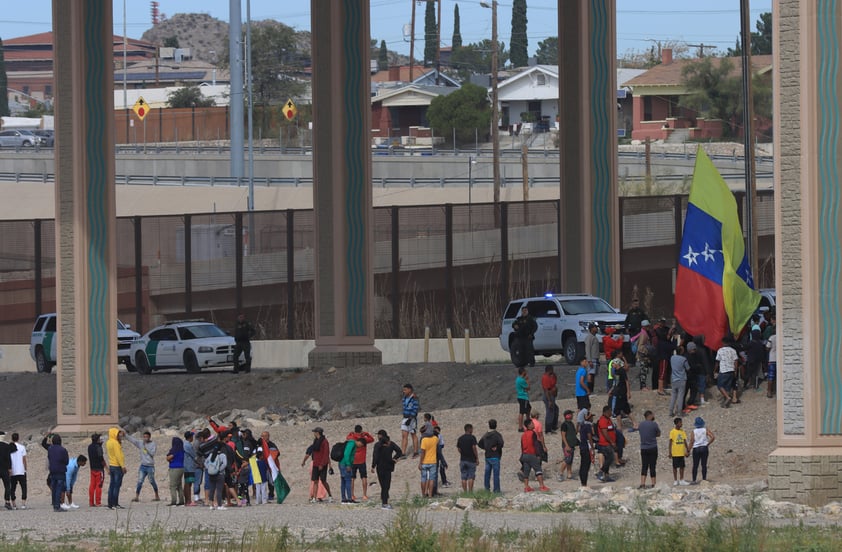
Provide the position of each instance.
(691, 347)
(318, 430)
(699, 422)
(755, 328)
(593, 325)
(645, 323)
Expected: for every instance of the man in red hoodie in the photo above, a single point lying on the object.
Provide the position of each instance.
(611, 341)
(359, 464)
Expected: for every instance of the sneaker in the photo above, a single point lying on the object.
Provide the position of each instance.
(386, 507)
(608, 479)
(528, 489)
(544, 488)
(313, 501)
(221, 508)
(118, 507)
(600, 476)
(561, 478)
(136, 499)
(73, 505)
(520, 476)
(23, 506)
(8, 506)
(63, 507)
(212, 507)
(683, 483)
(675, 483)
(329, 500)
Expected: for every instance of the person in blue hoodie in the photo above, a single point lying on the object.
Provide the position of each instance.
(70, 480)
(57, 461)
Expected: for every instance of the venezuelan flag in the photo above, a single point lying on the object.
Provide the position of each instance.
(714, 290)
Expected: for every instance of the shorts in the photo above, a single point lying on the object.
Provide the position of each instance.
(428, 472)
(582, 401)
(771, 371)
(318, 472)
(467, 470)
(621, 406)
(189, 477)
(568, 457)
(229, 480)
(359, 468)
(524, 406)
(678, 462)
(530, 463)
(410, 425)
(725, 381)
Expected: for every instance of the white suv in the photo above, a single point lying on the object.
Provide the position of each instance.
(190, 344)
(563, 321)
(42, 343)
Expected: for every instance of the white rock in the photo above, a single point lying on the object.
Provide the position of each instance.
(465, 503)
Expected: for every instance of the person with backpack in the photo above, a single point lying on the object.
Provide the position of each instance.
(320, 454)
(215, 465)
(530, 459)
(346, 467)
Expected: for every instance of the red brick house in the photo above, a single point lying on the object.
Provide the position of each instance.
(656, 109)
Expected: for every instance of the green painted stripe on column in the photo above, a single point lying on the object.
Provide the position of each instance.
(828, 219)
(356, 138)
(601, 145)
(96, 70)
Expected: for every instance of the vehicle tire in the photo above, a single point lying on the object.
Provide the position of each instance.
(571, 351)
(518, 353)
(142, 364)
(129, 366)
(27, 144)
(42, 366)
(190, 362)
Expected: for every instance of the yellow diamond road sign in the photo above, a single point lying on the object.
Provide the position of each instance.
(141, 108)
(290, 110)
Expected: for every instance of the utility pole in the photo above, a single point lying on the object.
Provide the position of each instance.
(748, 120)
(412, 43)
(701, 48)
(495, 134)
(438, 45)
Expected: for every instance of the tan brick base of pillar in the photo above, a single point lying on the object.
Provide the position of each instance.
(807, 476)
(344, 357)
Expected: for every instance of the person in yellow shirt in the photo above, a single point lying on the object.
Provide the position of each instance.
(116, 466)
(427, 463)
(678, 452)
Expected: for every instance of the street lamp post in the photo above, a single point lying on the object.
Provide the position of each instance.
(495, 134)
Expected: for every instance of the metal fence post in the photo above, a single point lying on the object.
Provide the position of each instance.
(448, 264)
(138, 274)
(188, 264)
(38, 270)
(504, 252)
(396, 268)
(238, 260)
(290, 274)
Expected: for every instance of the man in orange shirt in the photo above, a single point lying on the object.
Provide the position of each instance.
(607, 444)
(530, 458)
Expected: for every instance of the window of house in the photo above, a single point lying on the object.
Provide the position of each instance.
(48, 90)
(26, 90)
(541, 79)
(647, 108)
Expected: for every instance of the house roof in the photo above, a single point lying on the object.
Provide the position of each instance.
(623, 75)
(40, 47)
(400, 74)
(410, 95)
(670, 74)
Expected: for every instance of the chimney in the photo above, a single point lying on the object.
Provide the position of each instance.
(394, 73)
(666, 56)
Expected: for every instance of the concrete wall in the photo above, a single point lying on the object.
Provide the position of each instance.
(293, 354)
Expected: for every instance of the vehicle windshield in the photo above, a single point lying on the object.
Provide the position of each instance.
(121, 326)
(587, 305)
(200, 330)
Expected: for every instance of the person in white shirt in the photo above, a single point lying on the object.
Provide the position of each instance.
(18, 472)
(699, 441)
(726, 366)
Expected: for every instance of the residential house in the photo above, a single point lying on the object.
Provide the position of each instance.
(657, 111)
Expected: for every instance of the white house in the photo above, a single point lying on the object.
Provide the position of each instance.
(532, 96)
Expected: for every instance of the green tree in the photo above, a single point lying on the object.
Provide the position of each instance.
(188, 96)
(761, 41)
(383, 57)
(4, 85)
(716, 92)
(430, 33)
(475, 58)
(520, 42)
(464, 110)
(547, 52)
(171, 42)
(457, 33)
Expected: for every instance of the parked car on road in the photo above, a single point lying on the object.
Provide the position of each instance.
(47, 136)
(189, 344)
(42, 343)
(563, 321)
(18, 139)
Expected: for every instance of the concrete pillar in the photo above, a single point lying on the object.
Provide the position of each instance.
(85, 216)
(807, 464)
(342, 195)
(588, 148)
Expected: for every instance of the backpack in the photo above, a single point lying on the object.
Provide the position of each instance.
(215, 463)
(337, 451)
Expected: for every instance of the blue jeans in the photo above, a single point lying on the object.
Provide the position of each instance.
(142, 473)
(492, 466)
(197, 483)
(57, 481)
(346, 474)
(114, 485)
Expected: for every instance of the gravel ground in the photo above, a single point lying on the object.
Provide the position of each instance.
(745, 435)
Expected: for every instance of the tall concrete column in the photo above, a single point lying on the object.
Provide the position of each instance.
(85, 215)
(807, 464)
(588, 148)
(342, 195)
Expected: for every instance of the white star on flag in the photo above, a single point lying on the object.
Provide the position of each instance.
(709, 254)
(691, 256)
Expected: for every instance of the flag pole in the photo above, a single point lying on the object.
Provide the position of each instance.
(748, 135)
